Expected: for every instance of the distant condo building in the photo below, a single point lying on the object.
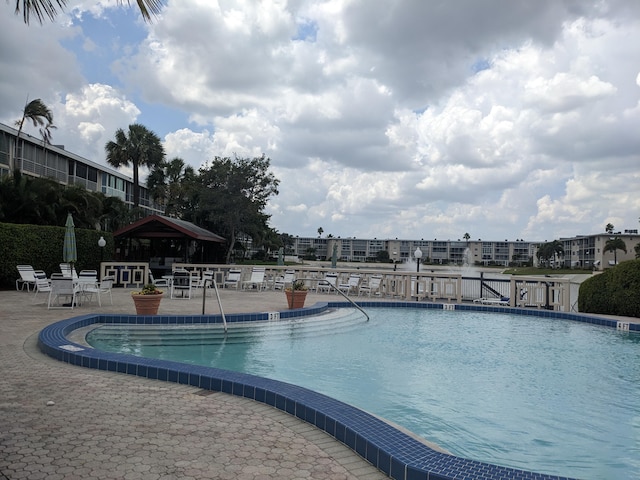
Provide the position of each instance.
(35, 158)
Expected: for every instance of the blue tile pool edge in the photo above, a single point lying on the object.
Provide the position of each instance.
(392, 451)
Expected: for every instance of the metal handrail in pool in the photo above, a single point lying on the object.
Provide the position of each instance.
(204, 300)
(340, 292)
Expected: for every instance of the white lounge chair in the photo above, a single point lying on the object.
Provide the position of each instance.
(327, 283)
(285, 280)
(352, 284)
(42, 284)
(257, 279)
(372, 287)
(27, 277)
(233, 278)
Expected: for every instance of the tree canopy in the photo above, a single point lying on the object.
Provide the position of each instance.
(231, 196)
(42, 9)
(139, 147)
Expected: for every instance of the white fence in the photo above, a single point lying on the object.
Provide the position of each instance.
(536, 292)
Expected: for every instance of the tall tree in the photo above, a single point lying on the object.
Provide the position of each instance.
(171, 184)
(320, 232)
(549, 251)
(609, 228)
(233, 195)
(613, 245)
(140, 148)
(48, 8)
(40, 115)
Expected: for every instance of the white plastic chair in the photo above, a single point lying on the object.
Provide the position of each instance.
(282, 282)
(181, 283)
(326, 285)
(233, 278)
(352, 284)
(62, 289)
(256, 280)
(372, 287)
(27, 277)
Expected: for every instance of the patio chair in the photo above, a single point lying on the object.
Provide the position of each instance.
(233, 278)
(352, 284)
(27, 277)
(372, 287)
(99, 288)
(181, 283)
(159, 282)
(68, 270)
(42, 284)
(62, 290)
(327, 283)
(257, 279)
(204, 283)
(284, 280)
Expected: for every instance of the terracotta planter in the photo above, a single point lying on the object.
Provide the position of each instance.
(295, 298)
(147, 304)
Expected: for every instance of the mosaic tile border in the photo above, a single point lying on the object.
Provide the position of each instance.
(394, 452)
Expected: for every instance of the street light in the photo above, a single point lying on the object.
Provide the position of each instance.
(418, 255)
(102, 243)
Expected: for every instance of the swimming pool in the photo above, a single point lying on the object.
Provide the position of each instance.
(470, 382)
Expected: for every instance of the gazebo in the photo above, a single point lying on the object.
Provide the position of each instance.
(164, 240)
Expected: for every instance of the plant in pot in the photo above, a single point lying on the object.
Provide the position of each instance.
(147, 300)
(296, 294)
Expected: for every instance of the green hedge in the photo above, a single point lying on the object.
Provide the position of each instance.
(41, 247)
(613, 292)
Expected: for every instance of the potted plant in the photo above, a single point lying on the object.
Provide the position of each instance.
(147, 300)
(296, 294)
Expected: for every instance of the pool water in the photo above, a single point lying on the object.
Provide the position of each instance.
(544, 395)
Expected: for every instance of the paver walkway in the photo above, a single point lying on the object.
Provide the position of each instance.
(109, 426)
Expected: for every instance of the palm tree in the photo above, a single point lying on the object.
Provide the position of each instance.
(40, 115)
(169, 184)
(141, 148)
(609, 228)
(613, 245)
(46, 8)
(320, 232)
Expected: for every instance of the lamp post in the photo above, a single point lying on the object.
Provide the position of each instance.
(101, 243)
(418, 255)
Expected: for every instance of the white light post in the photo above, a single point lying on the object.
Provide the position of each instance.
(101, 243)
(418, 255)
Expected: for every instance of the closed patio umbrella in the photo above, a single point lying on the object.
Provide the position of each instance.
(69, 251)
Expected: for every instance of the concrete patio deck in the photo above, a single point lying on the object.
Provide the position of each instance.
(111, 426)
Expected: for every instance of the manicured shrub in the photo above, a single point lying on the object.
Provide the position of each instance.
(613, 292)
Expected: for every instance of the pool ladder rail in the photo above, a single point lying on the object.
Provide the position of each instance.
(204, 299)
(224, 320)
(331, 285)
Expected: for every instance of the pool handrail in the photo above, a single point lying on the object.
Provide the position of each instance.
(204, 299)
(323, 281)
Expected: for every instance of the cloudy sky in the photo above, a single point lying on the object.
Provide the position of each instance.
(428, 119)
